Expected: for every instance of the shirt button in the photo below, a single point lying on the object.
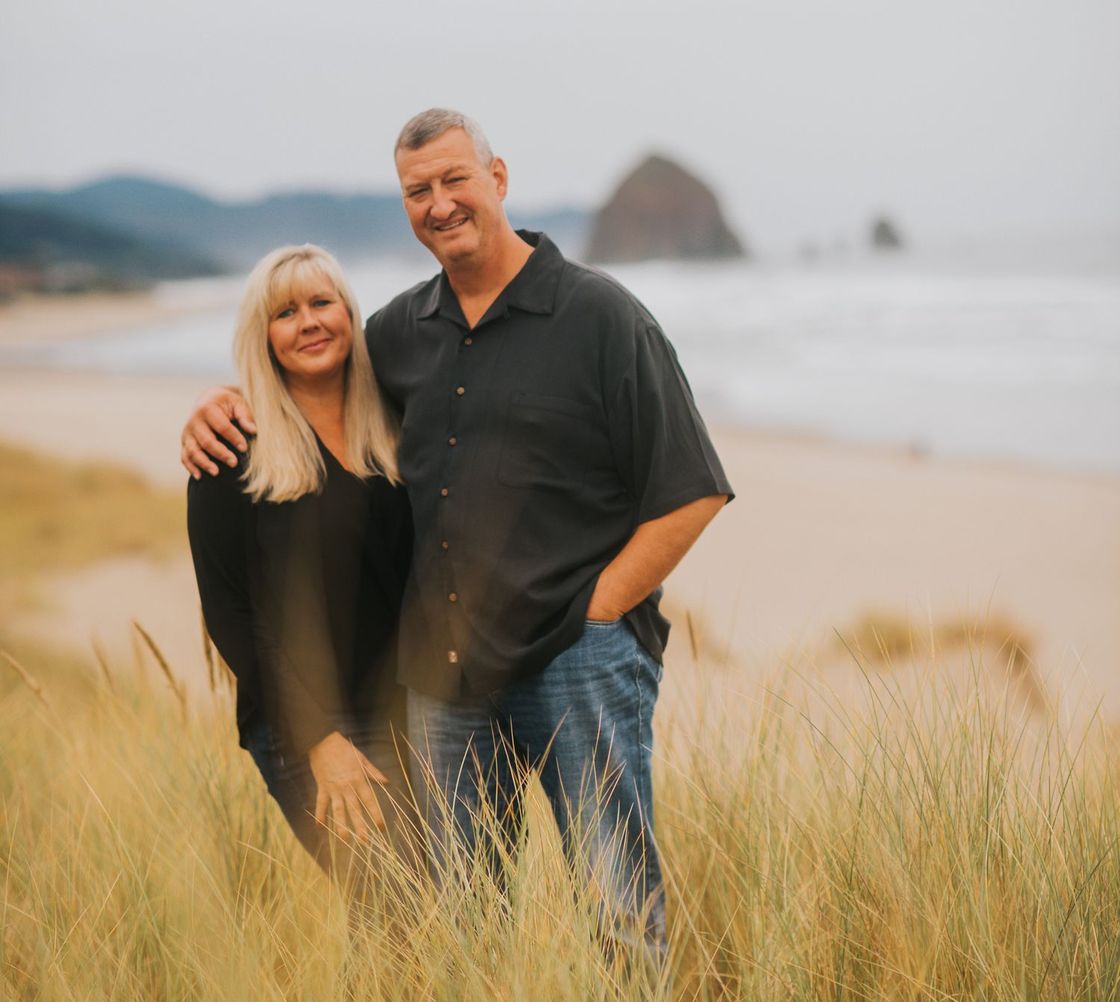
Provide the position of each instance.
(453, 657)
(445, 545)
(453, 597)
(452, 440)
(468, 341)
(460, 390)
(443, 492)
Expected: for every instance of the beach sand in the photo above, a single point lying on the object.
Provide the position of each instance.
(820, 535)
(36, 319)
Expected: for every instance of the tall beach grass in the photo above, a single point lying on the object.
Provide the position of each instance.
(952, 846)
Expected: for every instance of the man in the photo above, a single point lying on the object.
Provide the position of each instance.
(558, 471)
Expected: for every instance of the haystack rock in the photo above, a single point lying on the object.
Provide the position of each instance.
(885, 235)
(661, 211)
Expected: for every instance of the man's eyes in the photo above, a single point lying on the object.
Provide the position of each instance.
(421, 192)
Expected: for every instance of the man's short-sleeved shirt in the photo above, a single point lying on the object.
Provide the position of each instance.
(533, 445)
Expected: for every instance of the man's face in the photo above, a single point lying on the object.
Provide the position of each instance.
(453, 201)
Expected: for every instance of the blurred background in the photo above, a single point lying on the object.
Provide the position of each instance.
(884, 238)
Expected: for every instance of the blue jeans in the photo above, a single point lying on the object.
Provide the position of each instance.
(585, 722)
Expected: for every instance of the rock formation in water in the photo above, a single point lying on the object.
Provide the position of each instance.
(661, 211)
(885, 235)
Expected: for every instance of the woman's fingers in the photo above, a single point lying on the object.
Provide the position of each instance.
(370, 807)
(358, 823)
(374, 773)
(352, 812)
(338, 818)
(368, 796)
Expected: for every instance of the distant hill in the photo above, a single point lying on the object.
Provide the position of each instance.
(236, 234)
(46, 250)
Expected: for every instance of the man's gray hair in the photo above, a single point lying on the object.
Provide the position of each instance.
(431, 124)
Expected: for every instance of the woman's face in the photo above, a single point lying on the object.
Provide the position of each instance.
(310, 333)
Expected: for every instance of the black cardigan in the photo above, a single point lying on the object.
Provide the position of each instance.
(302, 598)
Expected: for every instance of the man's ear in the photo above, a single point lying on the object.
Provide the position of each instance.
(500, 174)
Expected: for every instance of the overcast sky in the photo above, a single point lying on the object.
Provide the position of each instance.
(959, 116)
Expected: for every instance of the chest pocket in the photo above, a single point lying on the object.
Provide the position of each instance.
(549, 442)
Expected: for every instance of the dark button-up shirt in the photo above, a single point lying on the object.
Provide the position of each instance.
(533, 445)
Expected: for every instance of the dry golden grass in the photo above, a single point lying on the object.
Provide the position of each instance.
(56, 514)
(957, 852)
(882, 637)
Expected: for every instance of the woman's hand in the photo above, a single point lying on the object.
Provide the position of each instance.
(214, 415)
(343, 776)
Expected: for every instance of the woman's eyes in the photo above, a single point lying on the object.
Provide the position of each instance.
(289, 311)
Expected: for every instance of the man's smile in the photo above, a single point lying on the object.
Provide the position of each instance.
(453, 224)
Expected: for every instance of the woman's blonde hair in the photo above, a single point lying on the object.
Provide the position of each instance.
(284, 461)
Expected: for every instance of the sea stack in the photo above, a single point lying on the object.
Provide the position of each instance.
(885, 235)
(661, 211)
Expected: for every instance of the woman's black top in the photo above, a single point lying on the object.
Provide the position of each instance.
(302, 598)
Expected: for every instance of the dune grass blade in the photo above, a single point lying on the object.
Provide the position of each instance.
(26, 677)
(173, 683)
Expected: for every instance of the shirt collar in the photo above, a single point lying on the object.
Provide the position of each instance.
(532, 289)
(438, 297)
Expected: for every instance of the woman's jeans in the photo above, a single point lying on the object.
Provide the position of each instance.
(292, 785)
(585, 723)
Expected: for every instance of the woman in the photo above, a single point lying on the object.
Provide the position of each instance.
(301, 555)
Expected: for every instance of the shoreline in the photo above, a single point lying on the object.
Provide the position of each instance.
(33, 330)
(29, 320)
(86, 381)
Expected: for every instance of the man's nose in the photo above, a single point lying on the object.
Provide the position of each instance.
(443, 205)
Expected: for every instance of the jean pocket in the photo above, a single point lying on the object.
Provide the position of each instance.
(603, 624)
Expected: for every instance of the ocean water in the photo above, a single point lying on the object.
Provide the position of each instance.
(1021, 364)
